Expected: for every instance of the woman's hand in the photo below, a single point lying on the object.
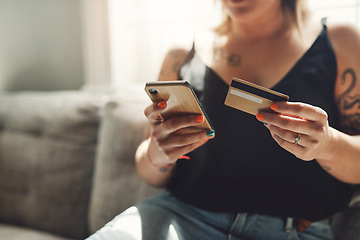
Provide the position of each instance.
(299, 128)
(166, 146)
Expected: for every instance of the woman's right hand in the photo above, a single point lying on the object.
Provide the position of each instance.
(165, 145)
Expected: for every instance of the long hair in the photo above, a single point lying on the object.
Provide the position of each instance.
(295, 9)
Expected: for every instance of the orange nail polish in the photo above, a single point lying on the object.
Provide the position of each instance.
(274, 106)
(162, 104)
(199, 118)
(260, 117)
(183, 157)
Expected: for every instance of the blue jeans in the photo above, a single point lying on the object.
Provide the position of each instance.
(163, 217)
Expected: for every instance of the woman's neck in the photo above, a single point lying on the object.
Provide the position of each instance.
(271, 25)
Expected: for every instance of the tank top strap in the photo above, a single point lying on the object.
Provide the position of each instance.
(323, 21)
(189, 56)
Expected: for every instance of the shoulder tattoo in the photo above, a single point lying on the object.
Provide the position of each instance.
(172, 63)
(177, 60)
(349, 103)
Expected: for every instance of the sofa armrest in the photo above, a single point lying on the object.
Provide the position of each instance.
(117, 185)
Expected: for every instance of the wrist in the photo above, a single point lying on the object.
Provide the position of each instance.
(161, 166)
(330, 151)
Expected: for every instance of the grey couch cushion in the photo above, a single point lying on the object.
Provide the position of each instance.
(346, 224)
(47, 148)
(116, 183)
(8, 232)
(73, 116)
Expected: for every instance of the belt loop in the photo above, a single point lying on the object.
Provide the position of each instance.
(289, 224)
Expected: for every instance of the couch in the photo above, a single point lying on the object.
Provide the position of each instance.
(67, 161)
(67, 164)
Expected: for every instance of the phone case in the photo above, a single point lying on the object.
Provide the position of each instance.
(180, 99)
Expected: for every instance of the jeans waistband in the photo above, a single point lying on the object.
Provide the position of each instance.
(301, 224)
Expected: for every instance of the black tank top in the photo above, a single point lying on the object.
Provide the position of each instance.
(243, 169)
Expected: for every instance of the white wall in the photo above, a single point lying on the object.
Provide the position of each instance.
(40, 45)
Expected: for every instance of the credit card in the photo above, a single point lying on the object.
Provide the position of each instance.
(250, 97)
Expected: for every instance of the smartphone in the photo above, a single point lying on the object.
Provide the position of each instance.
(181, 101)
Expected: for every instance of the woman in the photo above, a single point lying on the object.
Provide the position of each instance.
(277, 176)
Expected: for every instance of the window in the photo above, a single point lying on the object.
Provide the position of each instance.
(141, 31)
(344, 10)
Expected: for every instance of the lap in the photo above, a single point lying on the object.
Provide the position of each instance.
(164, 217)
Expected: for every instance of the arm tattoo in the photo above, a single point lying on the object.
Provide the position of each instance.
(170, 68)
(349, 104)
(326, 168)
(172, 63)
(177, 61)
(163, 169)
(174, 53)
(176, 67)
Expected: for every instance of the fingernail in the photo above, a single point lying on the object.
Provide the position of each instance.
(184, 157)
(260, 117)
(162, 104)
(199, 118)
(210, 133)
(274, 106)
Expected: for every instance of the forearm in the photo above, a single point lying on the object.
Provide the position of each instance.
(157, 175)
(342, 160)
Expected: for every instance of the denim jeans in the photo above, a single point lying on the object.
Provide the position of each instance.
(163, 217)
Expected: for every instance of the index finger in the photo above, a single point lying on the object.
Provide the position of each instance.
(301, 110)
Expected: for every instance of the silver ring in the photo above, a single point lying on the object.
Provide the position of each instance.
(297, 139)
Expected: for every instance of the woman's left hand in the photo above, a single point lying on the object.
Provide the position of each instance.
(299, 128)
